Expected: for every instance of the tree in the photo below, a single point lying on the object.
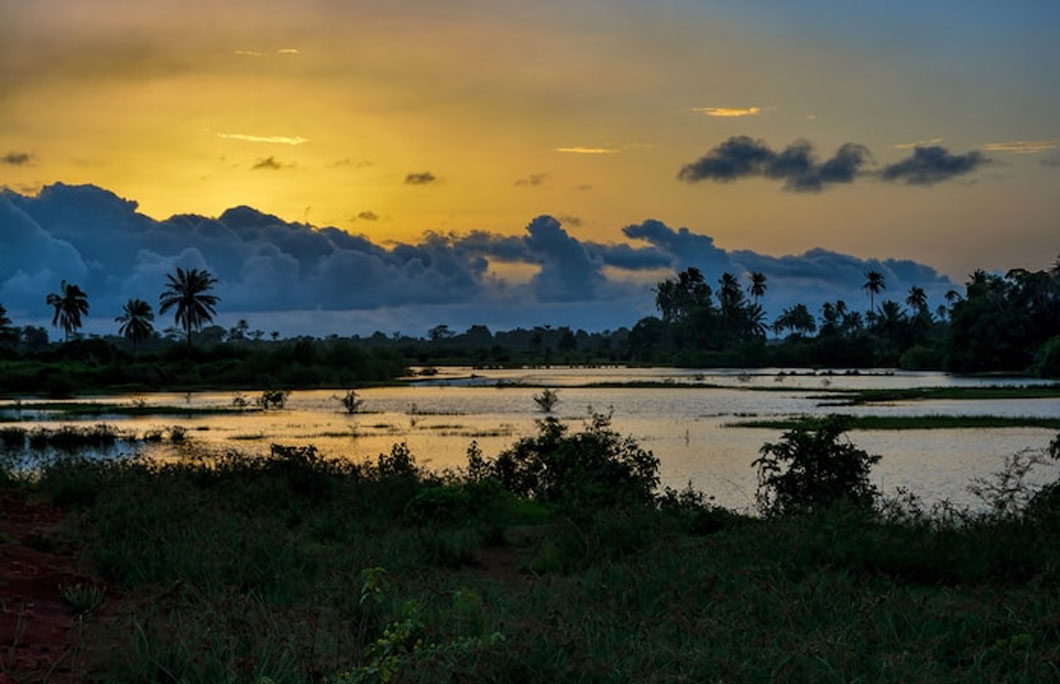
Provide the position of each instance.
(811, 469)
(186, 291)
(7, 333)
(758, 285)
(239, 332)
(439, 333)
(874, 284)
(135, 322)
(917, 299)
(70, 303)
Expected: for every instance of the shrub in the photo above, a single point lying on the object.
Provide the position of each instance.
(594, 467)
(811, 468)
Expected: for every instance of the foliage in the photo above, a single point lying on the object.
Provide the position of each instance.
(70, 304)
(273, 399)
(135, 321)
(351, 402)
(811, 468)
(547, 400)
(186, 293)
(594, 467)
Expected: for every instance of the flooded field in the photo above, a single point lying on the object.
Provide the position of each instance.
(685, 417)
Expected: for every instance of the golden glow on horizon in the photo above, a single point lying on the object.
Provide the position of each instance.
(278, 139)
(728, 112)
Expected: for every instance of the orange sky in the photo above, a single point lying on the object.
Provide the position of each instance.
(320, 111)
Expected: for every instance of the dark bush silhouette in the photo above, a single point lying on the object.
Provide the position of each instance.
(812, 468)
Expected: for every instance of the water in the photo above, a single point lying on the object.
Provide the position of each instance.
(687, 427)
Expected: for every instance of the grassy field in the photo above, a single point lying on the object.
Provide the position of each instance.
(868, 396)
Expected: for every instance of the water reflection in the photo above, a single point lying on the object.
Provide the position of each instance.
(686, 427)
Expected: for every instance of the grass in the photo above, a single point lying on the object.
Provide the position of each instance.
(297, 568)
(868, 396)
(911, 422)
(89, 409)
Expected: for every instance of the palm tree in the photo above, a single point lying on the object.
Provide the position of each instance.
(917, 299)
(874, 284)
(186, 291)
(70, 303)
(136, 321)
(758, 285)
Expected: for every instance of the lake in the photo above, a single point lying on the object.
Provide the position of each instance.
(685, 421)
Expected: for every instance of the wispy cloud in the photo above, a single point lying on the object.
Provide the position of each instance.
(728, 112)
(916, 143)
(17, 158)
(424, 178)
(367, 216)
(533, 180)
(288, 51)
(248, 53)
(275, 139)
(587, 150)
(1020, 146)
(271, 164)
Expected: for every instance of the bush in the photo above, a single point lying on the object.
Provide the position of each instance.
(820, 470)
(595, 467)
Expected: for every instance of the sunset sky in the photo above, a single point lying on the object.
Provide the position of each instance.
(389, 119)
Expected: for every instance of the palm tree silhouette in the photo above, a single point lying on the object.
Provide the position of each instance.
(874, 284)
(186, 291)
(917, 299)
(70, 303)
(758, 284)
(136, 322)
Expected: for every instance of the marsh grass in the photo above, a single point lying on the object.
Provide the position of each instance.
(249, 567)
(930, 422)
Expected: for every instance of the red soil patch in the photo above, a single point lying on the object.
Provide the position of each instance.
(36, 622)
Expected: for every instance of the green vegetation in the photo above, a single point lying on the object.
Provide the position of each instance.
(868, 396)
(82, 409)
(294, 568)
(910, 422)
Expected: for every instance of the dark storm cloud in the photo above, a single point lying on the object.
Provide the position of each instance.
(266, 265)
(796, 165)
(1052, 160)
(424, 178)
(743, 157)
(17, 158)
(933, 164)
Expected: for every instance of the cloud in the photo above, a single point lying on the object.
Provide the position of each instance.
(569, 220)
(744, 157)
(728, 112)
(1051, 160)
(917, 143)
(288, 51)
(270, 163)
(930, 165)
(533, 180)
(583, 187)
(270, 269)
(17, 158)
(1020, 146)
(248, 53)
(368, 216)
(587, 150)
(424, 178)
(275, 139)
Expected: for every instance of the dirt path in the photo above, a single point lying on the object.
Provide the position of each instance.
(37, 624)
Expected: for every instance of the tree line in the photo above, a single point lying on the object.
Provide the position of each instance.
(1008, 322)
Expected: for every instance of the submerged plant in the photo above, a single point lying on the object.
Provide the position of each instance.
(351, 402)
(547, 400)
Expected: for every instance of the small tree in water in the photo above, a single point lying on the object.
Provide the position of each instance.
(812, 468)
(351, 402)
(547, 400)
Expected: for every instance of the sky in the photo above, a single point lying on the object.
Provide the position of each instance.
(519, 145)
